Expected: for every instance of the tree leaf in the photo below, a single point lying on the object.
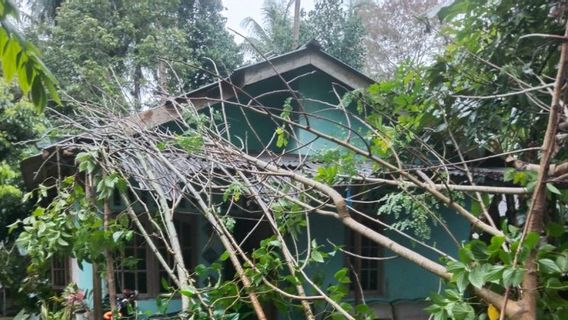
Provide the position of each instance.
(552, 188)
(187, 293)
(38, 94)
(548, 266)
(224, 256)
(9, 65)
(317, 256)
(477, 277)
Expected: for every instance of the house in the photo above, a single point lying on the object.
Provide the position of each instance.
(392, 286)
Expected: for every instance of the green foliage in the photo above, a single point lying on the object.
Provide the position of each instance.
(287, 109)
(510, 122)
(87, 161)
(338, 29)
(71, 225)
(289, 218)
(281, 137)
(332, 23)
(335, 166)
(234, 191)
(487, 56)
(415, 111)
(108, 184)
(412, 212)
(398, 110)
(190, 142)
(131, 50)
(317, 255)
(18, 122)
(21, 58)
(451, 305)
(491, 265)
(524, 178)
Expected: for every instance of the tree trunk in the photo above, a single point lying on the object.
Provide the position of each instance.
(257, 306)
(97, 292)
(285, 252)
(222, 236)
(296, 28)
(162, 80)
(109, 259)
(167, 214)
(535, 216)
(137, 87)
(178, 256)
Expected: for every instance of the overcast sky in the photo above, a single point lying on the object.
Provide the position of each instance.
(237, 10)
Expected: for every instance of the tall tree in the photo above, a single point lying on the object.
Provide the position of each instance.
(271, 36)
(18, 123)
(332, 23)
(336, 26)
(207, 39)
(128, 50)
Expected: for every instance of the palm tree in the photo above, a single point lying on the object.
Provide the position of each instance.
(274, 35)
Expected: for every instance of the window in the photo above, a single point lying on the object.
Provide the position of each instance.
(60, 274)
(138, 268)
(366, 274)
(132, 272)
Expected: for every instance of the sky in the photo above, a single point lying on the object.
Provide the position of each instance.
(237, 10)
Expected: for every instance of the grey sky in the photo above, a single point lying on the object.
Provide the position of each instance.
(237, 10)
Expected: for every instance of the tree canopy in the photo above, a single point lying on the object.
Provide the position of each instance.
(132, 51)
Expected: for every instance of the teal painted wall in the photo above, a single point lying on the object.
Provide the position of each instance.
(311, 86)
(84, 279)
(320, 97)
(402, 279)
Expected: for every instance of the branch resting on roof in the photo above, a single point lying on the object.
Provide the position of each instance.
(555, 170)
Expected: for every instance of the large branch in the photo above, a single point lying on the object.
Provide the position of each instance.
(448, 187)
(226, 243)
(537, 210)
(448, 201)
(554, 170)
(513, 309)
(290, 262)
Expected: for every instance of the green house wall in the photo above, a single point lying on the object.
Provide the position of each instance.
(402, 280)
(321, 98)
(314, 90)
